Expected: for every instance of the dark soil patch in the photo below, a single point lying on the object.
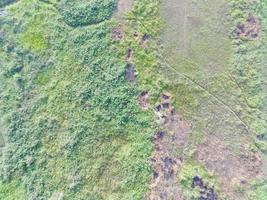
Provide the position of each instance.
(158, 108)
(145, 38)
(206, 192)
(129, 54)
(197, 182)
(166, 96)
(117, 33)
(159, 135)
(144, 41)
(130, 73)
(250, 29)
(136, 34)
(144, 100)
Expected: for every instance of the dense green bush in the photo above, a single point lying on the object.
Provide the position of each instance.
(82, 12)
(6, 2)
(72, 122)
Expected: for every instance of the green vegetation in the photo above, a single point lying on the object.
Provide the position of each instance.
(6, 2)
(73, 124)
(258, 191)
(216, 77)
(84, 12)
(71, 121)
(188, 171)
(12, 191)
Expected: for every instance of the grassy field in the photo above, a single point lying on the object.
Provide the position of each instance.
(219, 87)
(76, 126)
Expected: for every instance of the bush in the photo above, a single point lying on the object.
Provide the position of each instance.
(6, 2)
(82, 12)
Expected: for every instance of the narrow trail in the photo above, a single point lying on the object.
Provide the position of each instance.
(207, 91)
(185, 28)
(194, 82)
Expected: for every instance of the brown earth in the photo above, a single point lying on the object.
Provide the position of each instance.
(130, 73)
(250, 29)
(123, 7)
(117, 33)
(167, 159)
(207, 192)
(231, 169)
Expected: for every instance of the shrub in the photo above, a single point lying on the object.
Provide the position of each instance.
(81, 13)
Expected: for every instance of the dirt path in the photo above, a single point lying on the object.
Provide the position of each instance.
(123, 7)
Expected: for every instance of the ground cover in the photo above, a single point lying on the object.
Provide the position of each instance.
(166, 101)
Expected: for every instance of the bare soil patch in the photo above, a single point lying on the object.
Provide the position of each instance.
(250, 29)
(144, 41)
(130, 73)
(117, 33)
(129, 54)
(123, 7)
(166, 161)
(231, 169)
(207, 192)
(144, 100)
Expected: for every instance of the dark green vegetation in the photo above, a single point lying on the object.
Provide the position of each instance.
(6, 2)
(70, 123)
(84, 12)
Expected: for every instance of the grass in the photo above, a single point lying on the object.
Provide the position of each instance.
(72, 122)
(79, 130)
(188, 171)
(81, 12)
(12, 191)
(222, 74)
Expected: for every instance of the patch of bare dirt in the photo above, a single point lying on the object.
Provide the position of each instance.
(130, 73)
(124, 6)
(166, 162)
(207, 192)
(129, 54)
(57, 196)
(144, 41)
(231, 169)
(144, 100)
(117, 33)
(250, 29)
